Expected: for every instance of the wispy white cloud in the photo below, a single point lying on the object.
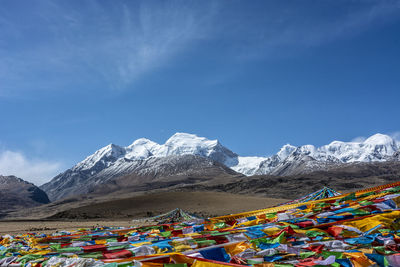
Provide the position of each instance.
(316, 24)
(359, 139)
(93, 44)
(37, 171)
(115, 43)
(395, 136)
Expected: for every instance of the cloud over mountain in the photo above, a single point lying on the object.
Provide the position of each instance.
(34, 170)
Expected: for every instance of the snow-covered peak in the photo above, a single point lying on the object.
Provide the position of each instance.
(378, 147)
(141, 141)
(110, 150)
(338, 143)
(308, 150)
(340, 148)
(285, 151)
(107, 153)
(189, 140)
(380, 140)
(141, 148)
(184, 143)
(178, 144)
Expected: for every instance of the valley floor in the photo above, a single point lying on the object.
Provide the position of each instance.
(120, 212)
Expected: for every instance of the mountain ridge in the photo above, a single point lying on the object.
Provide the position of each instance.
(145, 158)
(17, 193)
(142, 172)
(378, 147)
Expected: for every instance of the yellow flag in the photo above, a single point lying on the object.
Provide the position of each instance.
(199, 263)
(358, 259)
(385, 219)
(237, 248)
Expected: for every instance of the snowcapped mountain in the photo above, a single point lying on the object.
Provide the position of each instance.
(306, 158)
(144, 157)
(177, 145)
(180, 153)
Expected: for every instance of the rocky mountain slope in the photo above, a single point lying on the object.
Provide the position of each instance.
(345, 178)
(142, 174)
(184, 154)
(16, 193)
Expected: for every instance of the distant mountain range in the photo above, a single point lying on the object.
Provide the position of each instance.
(187, 155)
(296, 160)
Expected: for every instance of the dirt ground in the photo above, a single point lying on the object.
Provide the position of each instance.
(203, 204)
(121, 212)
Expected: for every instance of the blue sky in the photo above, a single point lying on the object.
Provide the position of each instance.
(78, 75)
